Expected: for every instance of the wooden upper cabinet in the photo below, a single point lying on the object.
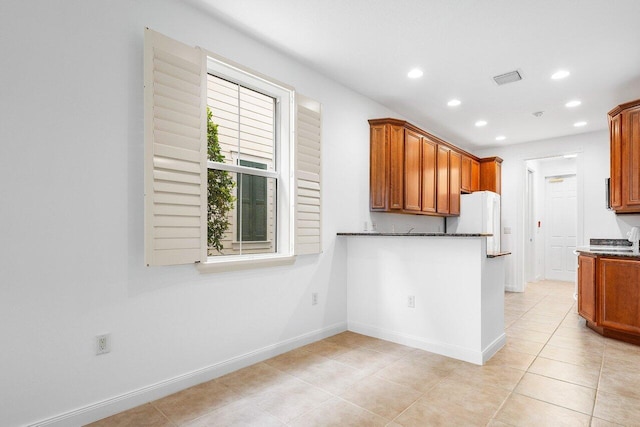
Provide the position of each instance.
(442, 198)
(455, 174)
(630, 132)
(412, 171)
(429, 169)
(624, 131)
(491, 174)
(475, 175)
(386, 172)
(466, 175)
(615, 182)
(396, 142)
(378, 168)
(619, 294)
(587, 287)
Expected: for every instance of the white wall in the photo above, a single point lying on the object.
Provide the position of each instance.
(71, 215)
(592, 168)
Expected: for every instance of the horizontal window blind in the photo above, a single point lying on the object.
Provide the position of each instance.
(308, 225)
(175, 156)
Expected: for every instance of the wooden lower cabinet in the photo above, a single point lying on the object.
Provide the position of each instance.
(587, 287)
(619, 295)
(609, 295)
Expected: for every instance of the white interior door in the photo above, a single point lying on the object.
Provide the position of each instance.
(529, 248)
(561, 230)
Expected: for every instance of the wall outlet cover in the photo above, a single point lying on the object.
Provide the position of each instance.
(103, 344)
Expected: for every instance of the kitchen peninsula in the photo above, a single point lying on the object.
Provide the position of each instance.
(438, 292)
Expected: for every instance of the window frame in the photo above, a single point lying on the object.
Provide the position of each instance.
(175, 160)
(283, 173)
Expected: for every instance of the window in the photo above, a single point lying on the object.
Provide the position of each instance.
(245, 123)
(268, 159)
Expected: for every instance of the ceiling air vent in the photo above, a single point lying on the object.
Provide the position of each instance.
(510, 77)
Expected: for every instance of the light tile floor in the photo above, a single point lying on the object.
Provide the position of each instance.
(553, 371)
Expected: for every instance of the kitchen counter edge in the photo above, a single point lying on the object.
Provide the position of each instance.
(604, 252)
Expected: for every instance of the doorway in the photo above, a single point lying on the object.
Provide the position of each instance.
(551, 219)
(561, 230)
(529, 228)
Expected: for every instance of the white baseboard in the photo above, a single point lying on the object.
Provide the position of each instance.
(455, 352)
(512, 288)
(114, 405)
(494, 347)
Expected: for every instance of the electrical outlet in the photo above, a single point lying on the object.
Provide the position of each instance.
(103, 344)
(411, 301)
(314, 298)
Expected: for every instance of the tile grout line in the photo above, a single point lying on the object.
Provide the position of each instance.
(537, 355)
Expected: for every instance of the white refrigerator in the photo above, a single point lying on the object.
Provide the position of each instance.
(479, 213)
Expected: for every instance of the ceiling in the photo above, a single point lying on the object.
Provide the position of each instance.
(371, 45)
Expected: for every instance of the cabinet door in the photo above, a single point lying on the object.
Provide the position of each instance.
(378, 177)
(587, 287)
(442, 198)
(498, 177)
(615, 183)
(631, 156)
(412, 175)
(455, 162)
(619, 294)
(491, 174)
(465, 184)
(428, 199)
(396, 142)
(475, 175)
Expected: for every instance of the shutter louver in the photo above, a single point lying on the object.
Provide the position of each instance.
(175, 152)
(308, 239)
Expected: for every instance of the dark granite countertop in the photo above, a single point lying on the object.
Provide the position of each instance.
(417, 234)
(610, 248)
(609, 251)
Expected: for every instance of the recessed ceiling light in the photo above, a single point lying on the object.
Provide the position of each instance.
(501, 138)
(580, 124)
(573, 103)
(560, 74)
(415, 73)
(454, 103)
(481, 123)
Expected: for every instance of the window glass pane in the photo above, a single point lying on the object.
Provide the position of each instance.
(246, 121)
(245, 132)
(251, 223)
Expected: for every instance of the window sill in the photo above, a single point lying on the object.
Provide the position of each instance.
(244, 262)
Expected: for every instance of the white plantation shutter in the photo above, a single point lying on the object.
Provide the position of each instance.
(308, 226)
(175, 152)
